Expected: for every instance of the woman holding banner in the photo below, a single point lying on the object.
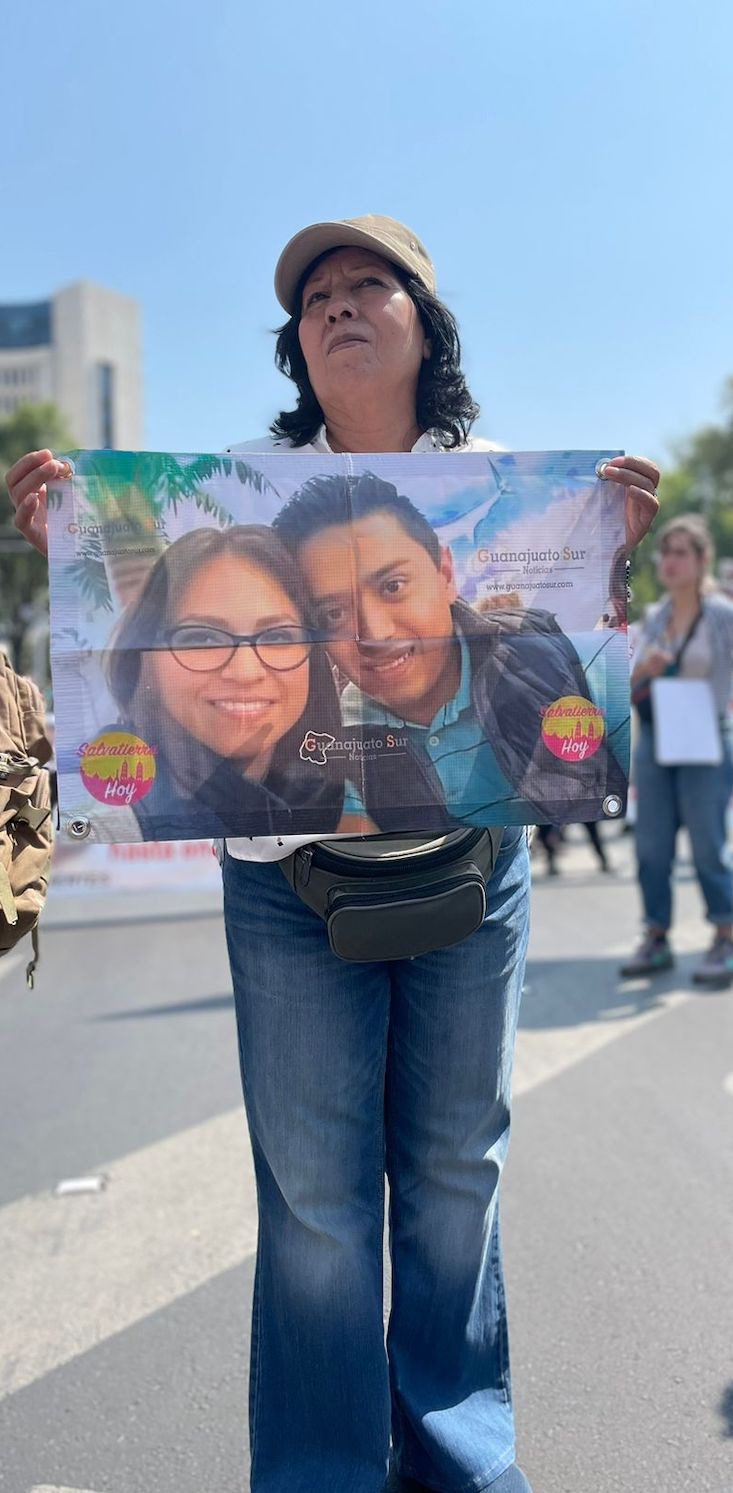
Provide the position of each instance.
(688, 635)
(400, 1066)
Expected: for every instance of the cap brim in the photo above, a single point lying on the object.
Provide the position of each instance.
(316, 240)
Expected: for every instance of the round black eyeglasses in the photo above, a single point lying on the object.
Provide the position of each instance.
(203, 650)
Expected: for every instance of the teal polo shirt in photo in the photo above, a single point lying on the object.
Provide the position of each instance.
(472, 780)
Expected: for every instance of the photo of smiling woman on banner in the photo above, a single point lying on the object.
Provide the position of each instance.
(214, 668)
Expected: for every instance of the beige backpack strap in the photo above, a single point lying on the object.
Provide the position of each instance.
(32, 713)
(11, 721)
(7, 898)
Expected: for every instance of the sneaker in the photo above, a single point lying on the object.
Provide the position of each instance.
(652, 956)
(717, 966)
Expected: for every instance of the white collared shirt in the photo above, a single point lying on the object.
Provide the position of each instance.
(276, 847)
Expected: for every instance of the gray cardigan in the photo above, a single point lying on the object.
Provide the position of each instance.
(718, 613)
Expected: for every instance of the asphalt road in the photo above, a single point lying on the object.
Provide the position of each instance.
(125, 1313)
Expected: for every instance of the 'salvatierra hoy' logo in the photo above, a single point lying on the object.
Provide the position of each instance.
(117, 767)
(573, 728)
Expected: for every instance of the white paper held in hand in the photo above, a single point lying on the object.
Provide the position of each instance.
(686, 728)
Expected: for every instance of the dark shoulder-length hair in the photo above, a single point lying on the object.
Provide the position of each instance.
(157, 608)
(444, 401)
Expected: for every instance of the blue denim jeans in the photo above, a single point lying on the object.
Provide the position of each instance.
(351, 1072)
(668, 798)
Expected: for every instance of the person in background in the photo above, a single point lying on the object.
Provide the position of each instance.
(350, 1071)
(689, 632)
(552, 838)
(596, 840)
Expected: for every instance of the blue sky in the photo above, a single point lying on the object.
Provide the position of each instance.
(567, 164)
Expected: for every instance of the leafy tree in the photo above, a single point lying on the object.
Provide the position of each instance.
(23, 572)
(701, 482)
(140, 489)
(151, 484)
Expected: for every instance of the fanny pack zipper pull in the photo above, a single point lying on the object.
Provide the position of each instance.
(306, 861)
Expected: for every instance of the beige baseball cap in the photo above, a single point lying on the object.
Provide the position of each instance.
(385, 236)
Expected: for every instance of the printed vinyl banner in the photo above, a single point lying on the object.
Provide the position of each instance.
(295, 644)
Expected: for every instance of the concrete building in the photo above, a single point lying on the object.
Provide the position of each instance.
(80, 350)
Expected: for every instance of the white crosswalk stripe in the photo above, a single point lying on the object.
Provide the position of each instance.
(543, 1054)
(78, 1270)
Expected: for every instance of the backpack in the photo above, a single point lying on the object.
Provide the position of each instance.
(26, 827)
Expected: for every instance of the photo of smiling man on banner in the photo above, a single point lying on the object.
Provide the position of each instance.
(489, 718)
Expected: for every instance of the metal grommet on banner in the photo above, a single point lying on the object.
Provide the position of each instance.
(601, 467)
(79, 829)
(612, 805)
(72, 469)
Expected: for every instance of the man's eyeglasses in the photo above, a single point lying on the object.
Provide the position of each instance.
(203, 650)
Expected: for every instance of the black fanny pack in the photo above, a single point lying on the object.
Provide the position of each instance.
(396, 896)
